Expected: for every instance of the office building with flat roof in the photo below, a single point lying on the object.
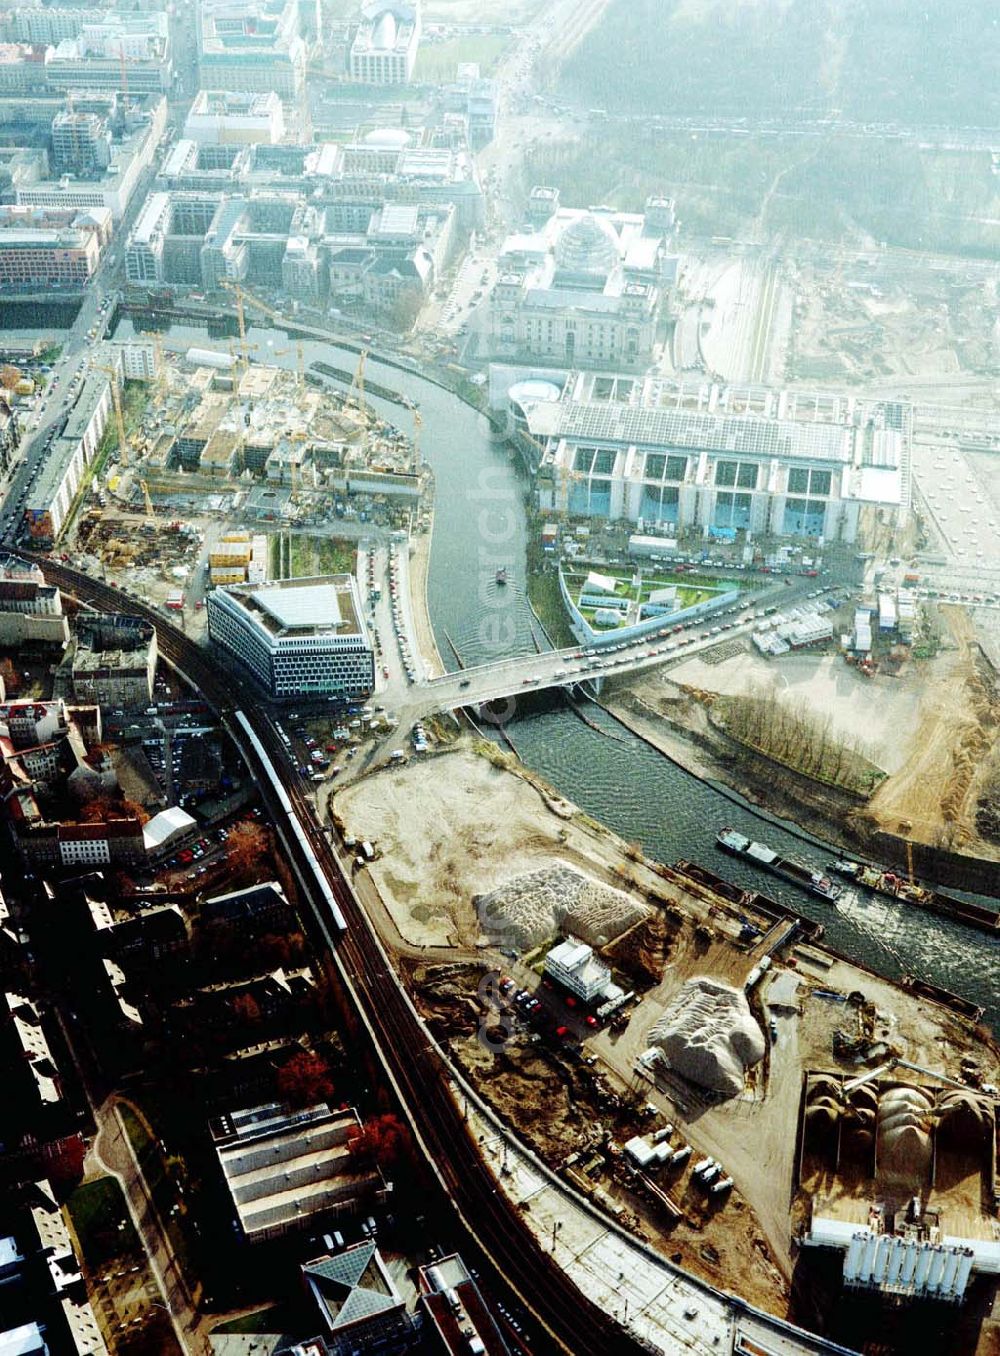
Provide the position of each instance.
(251, 48)
(720, 460)
(285, 1170)
(219, 117)
(298, 637)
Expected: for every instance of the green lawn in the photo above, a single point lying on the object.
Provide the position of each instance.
(321, 555)
(543, 591)
(438, 62)
(102, 1223)
(266, 1320)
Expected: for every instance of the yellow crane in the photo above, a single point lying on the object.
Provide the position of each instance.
(240, 321)
(151, 516)
(159, 366)
(246, 298)
(418, 424)
(243, 300)
(116, 400)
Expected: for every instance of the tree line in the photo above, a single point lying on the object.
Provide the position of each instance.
(791, 734)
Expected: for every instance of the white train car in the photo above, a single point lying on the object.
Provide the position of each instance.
(295, 828)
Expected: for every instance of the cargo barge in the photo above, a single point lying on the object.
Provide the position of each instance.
(815, 882)
(371, 387)
(694, 875)
(881, 881)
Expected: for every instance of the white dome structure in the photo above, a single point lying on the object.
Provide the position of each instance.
(389, 137)
(588, 247)
(384, 36)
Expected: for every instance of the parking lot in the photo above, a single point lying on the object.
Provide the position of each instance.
(958, 495)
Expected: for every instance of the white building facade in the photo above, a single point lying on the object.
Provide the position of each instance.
(384, 48)
(722, 461)
(298, 637)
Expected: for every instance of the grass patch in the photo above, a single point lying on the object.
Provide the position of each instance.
(545, 598)
(438, 62)
(102, 1223)
(321, 555)
(267, 1320)
(828, 186)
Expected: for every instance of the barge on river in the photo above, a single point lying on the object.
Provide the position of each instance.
(786, 867)
(881, 881)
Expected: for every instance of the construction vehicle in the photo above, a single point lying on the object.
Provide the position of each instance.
(150, 515)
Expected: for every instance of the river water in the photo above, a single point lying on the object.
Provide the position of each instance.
(615, 777)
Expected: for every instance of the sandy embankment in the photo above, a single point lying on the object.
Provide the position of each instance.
(419, 565)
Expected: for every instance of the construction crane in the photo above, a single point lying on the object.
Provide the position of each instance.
(116, 400)
(159, 367)
(245, 298)
(356, 395)
(418, 424)
(300, 365)
(150, 515)
(240, 322)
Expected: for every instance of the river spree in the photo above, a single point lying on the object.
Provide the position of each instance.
(480, 523)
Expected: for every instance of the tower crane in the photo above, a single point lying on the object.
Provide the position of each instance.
(418, 424)
(159, 368)
(240, 320)
(356, 395)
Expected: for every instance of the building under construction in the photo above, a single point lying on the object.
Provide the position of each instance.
(219, 417)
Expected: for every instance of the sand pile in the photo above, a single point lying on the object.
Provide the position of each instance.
(525, 910)
(709, 1036)
(904, 1136)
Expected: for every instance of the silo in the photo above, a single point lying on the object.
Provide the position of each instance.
(923, 1266)
(855, 1250)
(964, 1271)
(936, 1270)
(951, 1262)
(868, 1260)
(896, 1258)
(909, 1262)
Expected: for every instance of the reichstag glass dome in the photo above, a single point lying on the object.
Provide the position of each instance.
(587, 247)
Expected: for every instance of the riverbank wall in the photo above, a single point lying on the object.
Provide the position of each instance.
(819, 814)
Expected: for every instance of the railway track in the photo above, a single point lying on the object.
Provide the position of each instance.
(416, 1067)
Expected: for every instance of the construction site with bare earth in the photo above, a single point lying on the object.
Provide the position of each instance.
(925, 738)
(686, 1052)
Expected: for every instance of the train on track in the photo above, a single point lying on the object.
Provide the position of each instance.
(294, 824)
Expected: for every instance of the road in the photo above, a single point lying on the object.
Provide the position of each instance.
(96, 312)
(504, 679)
(113, 1151)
